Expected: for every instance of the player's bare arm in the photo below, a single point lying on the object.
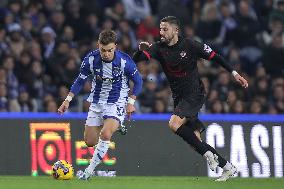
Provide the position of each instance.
(65, 104)
(242, 81)
(130, 108)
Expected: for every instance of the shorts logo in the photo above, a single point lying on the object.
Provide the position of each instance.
(49, 142)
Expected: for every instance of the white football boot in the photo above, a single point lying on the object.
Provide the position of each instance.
(83, 175)
(212, 160)
(228, 171)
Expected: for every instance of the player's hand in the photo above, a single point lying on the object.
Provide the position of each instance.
(129, 110)
(144, 46)
(64, 106)
(242, 81)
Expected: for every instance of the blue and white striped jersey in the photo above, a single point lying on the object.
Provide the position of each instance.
(110, 82)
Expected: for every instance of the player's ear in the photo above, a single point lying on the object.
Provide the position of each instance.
(177, 30)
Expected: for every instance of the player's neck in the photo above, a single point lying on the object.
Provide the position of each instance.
(173, 41)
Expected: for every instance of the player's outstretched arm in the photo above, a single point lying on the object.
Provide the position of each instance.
(204, 51)
(65, 104)
(220, 60)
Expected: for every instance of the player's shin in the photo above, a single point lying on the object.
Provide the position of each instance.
(188, 135)
(99, 153)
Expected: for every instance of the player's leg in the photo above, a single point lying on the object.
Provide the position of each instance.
(112, 120)
(228, 169)
(93, 125)
(182, 127)
(91, 135)
(109, 127)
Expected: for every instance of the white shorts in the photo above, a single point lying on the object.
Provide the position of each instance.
(98, 112)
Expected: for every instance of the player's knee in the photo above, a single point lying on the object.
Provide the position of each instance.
(174, 125)
(90, 143)
(105, 135)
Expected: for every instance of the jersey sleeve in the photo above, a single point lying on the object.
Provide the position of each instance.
(85, 71)
(132, 73)
(203, 50)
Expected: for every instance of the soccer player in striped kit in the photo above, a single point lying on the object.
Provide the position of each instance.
(111, 70)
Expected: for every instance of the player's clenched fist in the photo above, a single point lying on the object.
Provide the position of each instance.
(144, 46)
(64, 106)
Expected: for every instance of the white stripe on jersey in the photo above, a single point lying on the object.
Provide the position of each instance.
(124, 86)
(91, 62)
(107, 84)
(91, 59)
(91, 96)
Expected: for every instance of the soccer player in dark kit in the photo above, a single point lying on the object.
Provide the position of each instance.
(178, 57)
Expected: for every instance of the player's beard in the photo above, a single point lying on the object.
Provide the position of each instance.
(167, 40)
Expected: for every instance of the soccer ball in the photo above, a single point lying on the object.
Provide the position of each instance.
(62, 170)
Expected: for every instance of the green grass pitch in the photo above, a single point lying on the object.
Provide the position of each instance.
(44, 182)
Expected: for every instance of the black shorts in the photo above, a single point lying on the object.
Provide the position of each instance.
(189, 108)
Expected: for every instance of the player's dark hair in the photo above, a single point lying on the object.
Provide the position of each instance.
(172, 20)
(107, 36)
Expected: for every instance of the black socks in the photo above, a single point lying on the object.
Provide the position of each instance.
(188, 135)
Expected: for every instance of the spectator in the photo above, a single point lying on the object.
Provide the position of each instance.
(223, 85)
(4, 104)
(51, 106)
(159, 106)
(48, 41)
(209, 27)
(238, 107)
(275, 66)
(115, 13)
(26, 103)
(147, 27)
(16, 41)
(278, 98)
(12, 82)
(147, 97)
(136, 10)
(229, 24)
(217, 107)
(255, 107)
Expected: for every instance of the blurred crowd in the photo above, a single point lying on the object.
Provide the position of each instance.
(43, 42)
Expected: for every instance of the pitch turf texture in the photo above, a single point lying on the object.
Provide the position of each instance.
(43, 182)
